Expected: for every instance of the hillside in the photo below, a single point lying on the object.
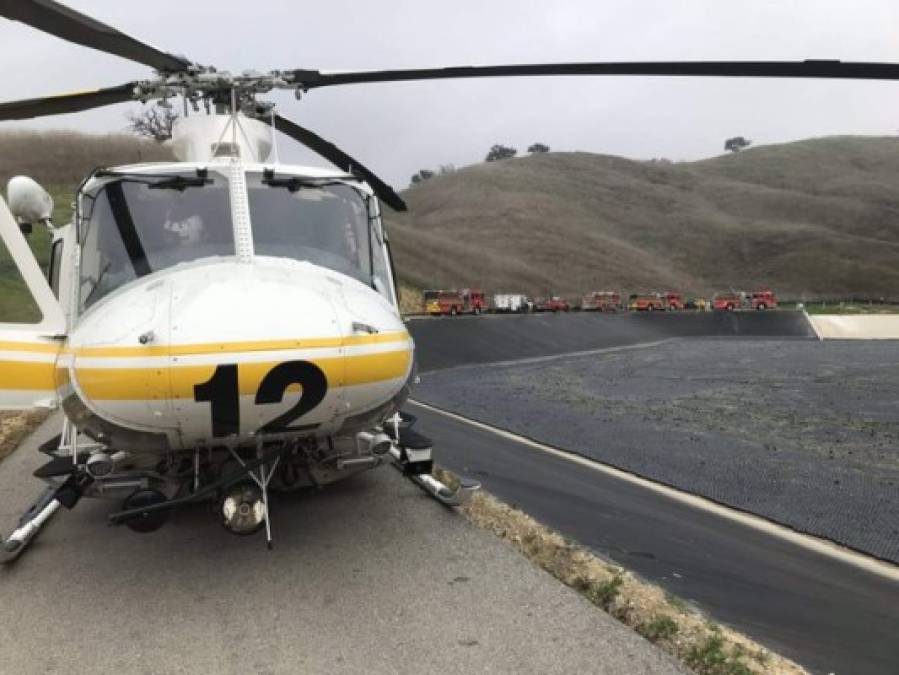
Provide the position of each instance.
(815, 218)
(64, 158)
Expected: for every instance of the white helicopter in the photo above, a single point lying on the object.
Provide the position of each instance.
(226, 324)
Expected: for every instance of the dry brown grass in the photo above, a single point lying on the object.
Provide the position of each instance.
(672, 624)
(817, 218)
(410, 299)
(64, 158)
(14, 426)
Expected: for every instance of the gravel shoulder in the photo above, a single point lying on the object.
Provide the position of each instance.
(805, 433)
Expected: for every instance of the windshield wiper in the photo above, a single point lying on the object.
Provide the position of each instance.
(157, 181)
(294, 183)
(179, 183)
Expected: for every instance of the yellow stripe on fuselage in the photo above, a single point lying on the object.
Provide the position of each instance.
(178, 382)
(231, 347)
(43, 348)
(27, 375)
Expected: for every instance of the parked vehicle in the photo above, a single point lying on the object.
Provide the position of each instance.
(553, 304)
(763, 299)
(650, 302)
(512, 302)
(727, 302)
(674, 301)
(438, 303)
(451, 303)
(474, 300)
(601, 301)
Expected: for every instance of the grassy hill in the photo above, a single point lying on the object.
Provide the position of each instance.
(816, 219)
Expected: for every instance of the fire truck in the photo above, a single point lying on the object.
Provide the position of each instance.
(727, 302)
(763, 299)
(451, 303)
(601, 301)
(553, 304)
(646, 303)
(759, 300)
(674, 301)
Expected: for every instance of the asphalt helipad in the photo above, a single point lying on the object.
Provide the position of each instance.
(366, 576)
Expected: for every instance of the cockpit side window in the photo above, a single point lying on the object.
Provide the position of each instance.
(323, 222)
(55, 268)
(137, 224)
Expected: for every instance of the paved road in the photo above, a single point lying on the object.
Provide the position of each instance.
(368, 576)
(825, 614)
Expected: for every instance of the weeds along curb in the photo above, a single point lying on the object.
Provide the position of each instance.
(14, 426)
(667, 621)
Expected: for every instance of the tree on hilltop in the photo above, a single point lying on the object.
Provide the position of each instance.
(422, 176)
(736, 144)
(499, 151)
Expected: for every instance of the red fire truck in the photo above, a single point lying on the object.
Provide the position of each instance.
(601, 301)
(451, 303)
(553, 304)
(474, 300)
(759, 300)
(763, 299)
(727, 302)
(646, 303)
(674, 301)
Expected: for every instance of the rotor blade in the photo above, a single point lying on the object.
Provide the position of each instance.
(61, 21)
(66, 103)
(340, 159)
(311, 79)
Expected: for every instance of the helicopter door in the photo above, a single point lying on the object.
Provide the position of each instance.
(31, 323)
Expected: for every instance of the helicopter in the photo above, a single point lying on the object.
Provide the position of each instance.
(225, 325)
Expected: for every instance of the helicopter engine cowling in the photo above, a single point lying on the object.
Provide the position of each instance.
(216, 352)
(202, 138)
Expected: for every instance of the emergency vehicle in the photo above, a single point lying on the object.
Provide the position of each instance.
(601, 301)
(451, 303)
(763, 299)
(674, 301)
(646, 303)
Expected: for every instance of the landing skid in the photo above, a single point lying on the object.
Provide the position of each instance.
(411, 453)
(248, 509)
(66, 493)
(30, 524)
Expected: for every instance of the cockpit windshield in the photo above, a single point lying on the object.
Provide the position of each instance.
(325, 222)
(138, 223)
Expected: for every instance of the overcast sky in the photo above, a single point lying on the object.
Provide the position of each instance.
(398, 128)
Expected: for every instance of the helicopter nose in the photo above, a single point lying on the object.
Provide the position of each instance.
(245, 339)
(229, 349)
